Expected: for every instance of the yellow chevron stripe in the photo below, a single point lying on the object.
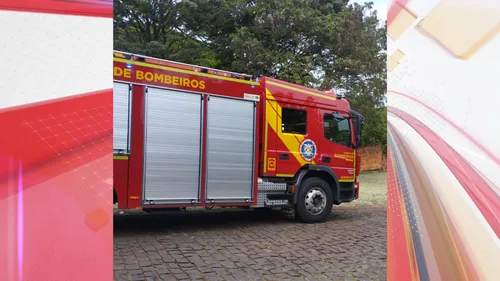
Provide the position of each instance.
(291, 141)
(265, 143)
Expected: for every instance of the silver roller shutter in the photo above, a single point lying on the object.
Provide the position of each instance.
(230, 149)
(172, 146)
(121, 117)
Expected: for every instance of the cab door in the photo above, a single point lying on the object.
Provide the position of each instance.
(335, 145)
(292, 131)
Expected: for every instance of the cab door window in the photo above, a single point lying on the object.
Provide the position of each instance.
(337, 130)
(293, 121)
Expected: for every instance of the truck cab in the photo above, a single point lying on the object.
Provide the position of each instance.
(309, 142)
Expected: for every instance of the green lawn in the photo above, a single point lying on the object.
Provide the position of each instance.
(373, 189)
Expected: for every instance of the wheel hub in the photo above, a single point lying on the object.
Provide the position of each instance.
(315, 201)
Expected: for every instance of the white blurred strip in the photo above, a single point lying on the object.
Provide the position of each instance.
(418, 216)
(40, 50)
(481, 243)
(452, 136)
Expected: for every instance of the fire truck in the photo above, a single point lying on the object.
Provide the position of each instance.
(190, 136)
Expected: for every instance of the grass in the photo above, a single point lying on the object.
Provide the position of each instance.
(373, 189)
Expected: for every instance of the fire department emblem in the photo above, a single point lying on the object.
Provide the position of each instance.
(307, 149)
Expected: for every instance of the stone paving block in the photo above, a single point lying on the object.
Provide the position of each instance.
(245, 245)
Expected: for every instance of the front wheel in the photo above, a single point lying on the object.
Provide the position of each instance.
(315, 200)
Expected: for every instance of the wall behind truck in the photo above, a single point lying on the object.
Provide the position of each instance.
(371, 158)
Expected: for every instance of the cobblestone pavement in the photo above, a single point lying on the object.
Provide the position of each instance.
(250, 245)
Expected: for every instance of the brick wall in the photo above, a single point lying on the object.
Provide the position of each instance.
(371, 158)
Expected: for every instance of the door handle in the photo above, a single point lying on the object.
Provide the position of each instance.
(284, 156)
(326, 159)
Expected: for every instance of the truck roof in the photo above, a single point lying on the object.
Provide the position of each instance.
(292, 93)
(273, 89)
(184, 66)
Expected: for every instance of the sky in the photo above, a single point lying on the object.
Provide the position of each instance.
(379, 5)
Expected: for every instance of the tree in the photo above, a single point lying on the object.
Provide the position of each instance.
(154, 28)
(323, 44)
(375, 129)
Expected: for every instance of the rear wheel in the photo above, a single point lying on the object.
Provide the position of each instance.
(315, 200)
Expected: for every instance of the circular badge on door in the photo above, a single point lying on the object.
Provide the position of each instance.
(307, 149)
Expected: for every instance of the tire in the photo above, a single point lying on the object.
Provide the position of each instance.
(322, 201)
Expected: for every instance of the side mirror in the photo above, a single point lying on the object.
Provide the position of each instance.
(358, 139)
(358, 124)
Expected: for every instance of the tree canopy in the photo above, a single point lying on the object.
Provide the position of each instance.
(322, 44)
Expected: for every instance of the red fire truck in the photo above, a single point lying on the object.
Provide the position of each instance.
(188, 136)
